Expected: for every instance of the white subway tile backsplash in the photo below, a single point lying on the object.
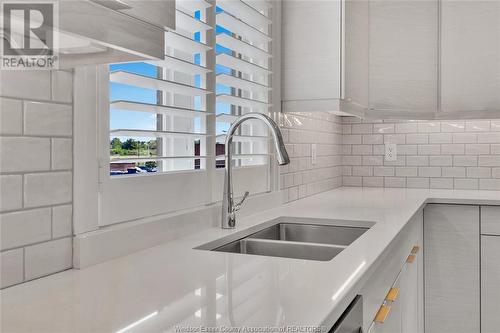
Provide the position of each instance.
(477, 126)
(47, 119)
(11, 267)
(406, 171)
(52, 188)
(18, 154)
(47, 258)
(462, 154)
(464, 137)
(25, 84)
(362, 171)
(373, 139)
(417, 182)
(384, 128)
(35, 138)
(383, 171)
(429, 149)
(410, 127)
(362, 128)
(11, 116)
(440, 138)
(453, 172)
(62, 221)
(466, 184)
(417, 138)
(395, 138)
(429, 172)
(352, 139)
(352, 181)
(441, 160)
(25, 227)
(452, 126)
(11, 192)
(300, 178)
(477, 149)
(495, 126)
(395, 182)
(373, 160)
(417, 160)
(491, 161)
(465, 160)
(453, 149)
(373, 181)
(362, 150)
(489, 184)
(475, 172)
(492, 137)
(441, 183)
(429, 127)
(62, 86)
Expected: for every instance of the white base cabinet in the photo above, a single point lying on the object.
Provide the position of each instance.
(452, 282)
(490, 283)
(393, 295)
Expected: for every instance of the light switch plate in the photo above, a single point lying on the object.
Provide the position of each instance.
(313, 154)
(391, 152)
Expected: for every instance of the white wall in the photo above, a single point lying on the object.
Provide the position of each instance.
(36, 162)
(461, 154)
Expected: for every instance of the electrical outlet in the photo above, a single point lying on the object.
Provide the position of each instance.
(313, 154)
(391, 152)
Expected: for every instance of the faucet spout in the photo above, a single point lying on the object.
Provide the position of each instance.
(229, 209)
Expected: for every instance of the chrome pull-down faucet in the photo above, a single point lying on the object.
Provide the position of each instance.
(229, 209)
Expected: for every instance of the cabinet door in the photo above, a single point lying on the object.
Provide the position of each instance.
(451, 263)
(470, 55)
(311, 50)
(403, 55)
(490, 284)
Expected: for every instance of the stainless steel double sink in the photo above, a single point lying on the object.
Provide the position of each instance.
(290, 237)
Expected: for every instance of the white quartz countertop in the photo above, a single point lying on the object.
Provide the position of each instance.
(173, 287)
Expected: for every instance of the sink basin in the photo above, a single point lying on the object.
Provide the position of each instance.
(310, 233)
(297, 238)
(273, 248)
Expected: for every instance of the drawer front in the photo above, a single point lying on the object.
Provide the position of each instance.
(379, 283)
(490, 220)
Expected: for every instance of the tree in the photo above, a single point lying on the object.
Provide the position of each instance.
(116, 143)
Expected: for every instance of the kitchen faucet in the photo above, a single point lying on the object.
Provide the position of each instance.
(229, 209)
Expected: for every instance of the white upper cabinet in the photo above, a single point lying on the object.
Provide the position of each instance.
(311, 55)
(470, 56)
(108, 31)
(403, 56)
(392, 59)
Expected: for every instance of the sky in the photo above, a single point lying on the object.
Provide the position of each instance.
(121, 119)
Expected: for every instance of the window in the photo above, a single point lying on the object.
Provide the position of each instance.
(168, 118)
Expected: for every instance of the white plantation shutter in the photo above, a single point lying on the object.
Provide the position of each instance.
(180, 105)
(217, 66)
(243, 68)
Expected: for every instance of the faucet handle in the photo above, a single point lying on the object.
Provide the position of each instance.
(238, 205)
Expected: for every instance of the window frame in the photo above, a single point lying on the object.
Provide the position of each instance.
(200, 187)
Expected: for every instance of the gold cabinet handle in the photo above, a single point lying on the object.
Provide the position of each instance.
(382, 313)
(392, 295)
(415, 249)
(410, 259)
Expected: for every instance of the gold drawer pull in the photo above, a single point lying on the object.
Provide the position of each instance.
(392, 294)
(382, 314)
(415, 249)
(410, 259)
